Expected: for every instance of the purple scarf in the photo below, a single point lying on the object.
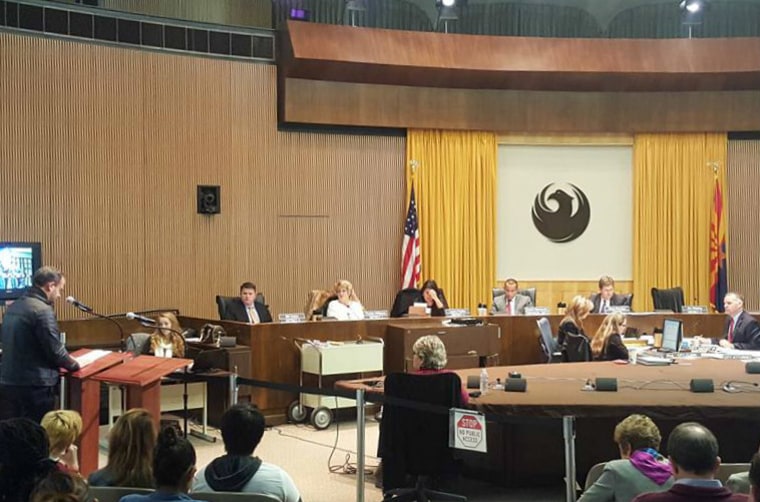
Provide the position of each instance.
(652, 465)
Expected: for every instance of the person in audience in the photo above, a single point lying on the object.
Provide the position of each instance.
(741, 331)
(607, 344)
(61, 487)
(24, 458)
(640, 468)
(239, 471)
(167, 338)
(434, 299)
(693, 454)
(173, 469)
(512, 302)
(429, 357)
(246, 308)
(63, 427)
(32, 350)
(606, 297)
(130, 452)
(754, 478)
(347, 306)
(572, 323)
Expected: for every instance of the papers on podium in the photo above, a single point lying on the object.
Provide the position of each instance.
(91, 357)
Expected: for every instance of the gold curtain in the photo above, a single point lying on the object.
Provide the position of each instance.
(673, 193)
(455, 184)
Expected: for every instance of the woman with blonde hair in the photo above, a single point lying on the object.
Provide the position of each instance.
(347, 306)
(167, 340)
(607, 344)
(130, 452)
(641, 468)
(63, 427)
(429, 358)
(571, 336)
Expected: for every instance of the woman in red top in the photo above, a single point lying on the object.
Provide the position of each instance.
(429, 357)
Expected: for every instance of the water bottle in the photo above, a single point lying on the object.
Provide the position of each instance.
(483, 381)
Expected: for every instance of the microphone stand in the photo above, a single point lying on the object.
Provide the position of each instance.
(107, 318)
(187, 430)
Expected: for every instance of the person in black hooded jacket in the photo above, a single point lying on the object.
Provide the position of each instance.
(238, 470)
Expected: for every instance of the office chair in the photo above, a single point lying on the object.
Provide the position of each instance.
(547, 342)
(593, 474)
(668, 299)
(114, 493)
(323, 307)
(223, 301)
(530, 293)
(628, 300)
(416, 442)
(138, 343)
(234, 497)
(577, 348)
(405, 299)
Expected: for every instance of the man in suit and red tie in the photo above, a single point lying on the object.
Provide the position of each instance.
(742, 330)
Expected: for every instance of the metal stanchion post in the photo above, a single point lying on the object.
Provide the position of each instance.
(62, 379)
(234, 386)
(568, 432)
(360, 447)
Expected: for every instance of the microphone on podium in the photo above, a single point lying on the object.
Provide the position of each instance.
(137, 317)
(81, 306)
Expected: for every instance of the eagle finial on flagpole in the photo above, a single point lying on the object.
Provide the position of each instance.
(715, 166)
(413, 164)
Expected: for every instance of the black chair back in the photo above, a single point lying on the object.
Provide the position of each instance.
(405, 299)
(668, 299)
(412, 441)
(577, 348)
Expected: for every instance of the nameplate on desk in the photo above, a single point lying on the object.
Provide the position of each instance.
(377, 314)
(292, 317)
(457, 313)
(537, 311)
(623, 309)
(694, 309)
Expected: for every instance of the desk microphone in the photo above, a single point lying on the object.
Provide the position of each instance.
(137, 317)
(81, 306)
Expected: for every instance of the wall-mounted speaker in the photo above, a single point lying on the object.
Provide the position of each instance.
(209, 201)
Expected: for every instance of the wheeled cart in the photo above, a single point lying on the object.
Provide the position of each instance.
(332, 358)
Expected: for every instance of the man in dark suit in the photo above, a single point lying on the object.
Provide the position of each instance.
(606, 297)
(741, 330)
(246, 308)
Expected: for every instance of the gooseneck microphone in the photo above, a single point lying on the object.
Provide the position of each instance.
(141, 318)
(81, 306)
(88, 310)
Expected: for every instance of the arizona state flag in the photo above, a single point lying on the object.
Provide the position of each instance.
(718, 281)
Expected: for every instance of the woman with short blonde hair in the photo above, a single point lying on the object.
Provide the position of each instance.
(429, 353)
(640, 469)
(63, 428)
(607, 344)
(347, 306)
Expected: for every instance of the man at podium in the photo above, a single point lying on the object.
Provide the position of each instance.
(32, 349)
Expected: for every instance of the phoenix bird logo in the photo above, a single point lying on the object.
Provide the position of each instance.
(561, 225)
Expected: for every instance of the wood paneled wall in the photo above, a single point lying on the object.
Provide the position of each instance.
(550, 293)
(744, 220)
(102, 149)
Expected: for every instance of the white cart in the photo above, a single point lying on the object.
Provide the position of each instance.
(332, 358)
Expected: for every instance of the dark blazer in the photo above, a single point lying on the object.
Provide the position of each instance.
(746, 332)
(616, 301)
(236, 311)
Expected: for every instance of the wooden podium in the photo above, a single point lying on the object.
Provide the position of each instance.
(84, 397)
(142, 378)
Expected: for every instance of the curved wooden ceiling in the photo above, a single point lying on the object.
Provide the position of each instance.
(365, 55)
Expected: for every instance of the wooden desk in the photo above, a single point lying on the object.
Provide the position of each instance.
(274, 357)
(525, 452)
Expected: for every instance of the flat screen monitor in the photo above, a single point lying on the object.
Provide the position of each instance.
(671, 335)
(18, 262)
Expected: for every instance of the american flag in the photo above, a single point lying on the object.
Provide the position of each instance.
(410, 248)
